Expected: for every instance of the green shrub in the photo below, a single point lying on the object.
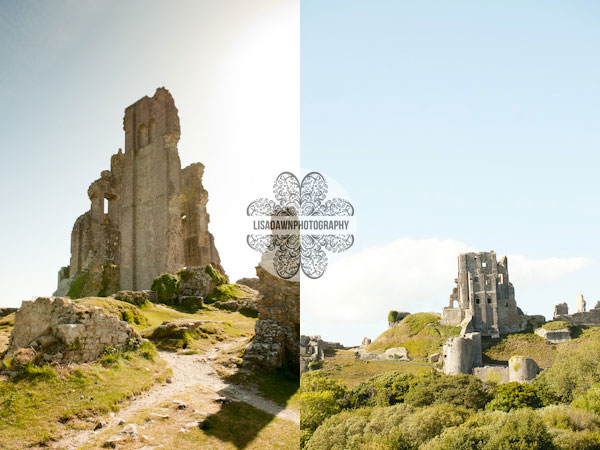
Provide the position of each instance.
(34, 372)
(166, 287)
(314, 365)
(576, 440)
(429, 422)
(338, 431)
(514, 395)
(215, 276)
(573, 373)
(458, 390)
(590, 400)
(315, 407)
(382, 390)
(316, 382)
(392, 316)
(520, 429)
(127, 316)
(568, 418)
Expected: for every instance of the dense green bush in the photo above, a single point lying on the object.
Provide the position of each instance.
(166, 287)
(315, 407)
(392, 316)
(460, 390)
(393, 427)
(382, 390)
(573, 373)
(514, 395)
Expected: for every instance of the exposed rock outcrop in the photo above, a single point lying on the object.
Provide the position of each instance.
(63, 331)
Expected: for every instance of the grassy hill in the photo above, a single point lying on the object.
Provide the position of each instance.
(419, 333)
(31, 416)
(533, 346)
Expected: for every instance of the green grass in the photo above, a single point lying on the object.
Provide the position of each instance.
(31, 415)
(175, 337)
(556, 325)
(532, 346)
(227, 292)
(420, 334)
(351, 371)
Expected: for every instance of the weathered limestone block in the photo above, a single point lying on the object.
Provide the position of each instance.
(194, 281)
(68, 331)
(399, 353)
(521, 369)
(137, 298)
(554, 336)
(366, 341)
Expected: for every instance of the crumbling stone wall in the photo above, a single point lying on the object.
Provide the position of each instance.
(484, 292)
(147, 215)
(277, 332)
(581, 317)
(63, 331)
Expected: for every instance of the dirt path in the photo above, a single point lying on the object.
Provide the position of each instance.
(189, 371)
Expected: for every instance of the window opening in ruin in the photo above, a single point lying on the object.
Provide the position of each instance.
(484, 264)
(477, 301)
(476, 279)
(506, 304)
(489, 300)
(105, 205)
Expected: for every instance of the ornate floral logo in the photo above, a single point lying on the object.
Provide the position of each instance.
(302, 224)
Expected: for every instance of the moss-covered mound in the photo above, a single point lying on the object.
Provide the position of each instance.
(556, 325)
(419, 333)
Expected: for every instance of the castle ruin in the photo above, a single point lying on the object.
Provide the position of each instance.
(485, 296)
(147, 215)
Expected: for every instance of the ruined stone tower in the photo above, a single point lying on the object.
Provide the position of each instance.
(484, 295)
(147, 215)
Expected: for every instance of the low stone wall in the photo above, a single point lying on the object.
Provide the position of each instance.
(277, 332)
(492, 374)
(63, 331)
(589, 318)
(554, 336)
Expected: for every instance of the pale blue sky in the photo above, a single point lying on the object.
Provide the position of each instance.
(466, 120)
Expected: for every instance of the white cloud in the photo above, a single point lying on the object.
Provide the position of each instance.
(409, 275)
(530, 271)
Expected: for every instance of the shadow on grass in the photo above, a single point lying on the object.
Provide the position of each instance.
(238, 423)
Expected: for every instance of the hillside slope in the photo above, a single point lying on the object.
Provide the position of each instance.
(419, 333)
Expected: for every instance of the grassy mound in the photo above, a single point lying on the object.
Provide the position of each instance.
(420, 334)
(556, 325)
(30, 414)
(183, 334)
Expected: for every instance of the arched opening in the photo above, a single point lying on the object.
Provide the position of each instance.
(142, 136)
(477, 300)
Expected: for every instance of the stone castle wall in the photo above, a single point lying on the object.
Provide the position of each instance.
(484, 293)
(277, 339)
(147, 215)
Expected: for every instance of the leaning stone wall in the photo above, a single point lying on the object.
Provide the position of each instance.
(67, 332)
(277, 332)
